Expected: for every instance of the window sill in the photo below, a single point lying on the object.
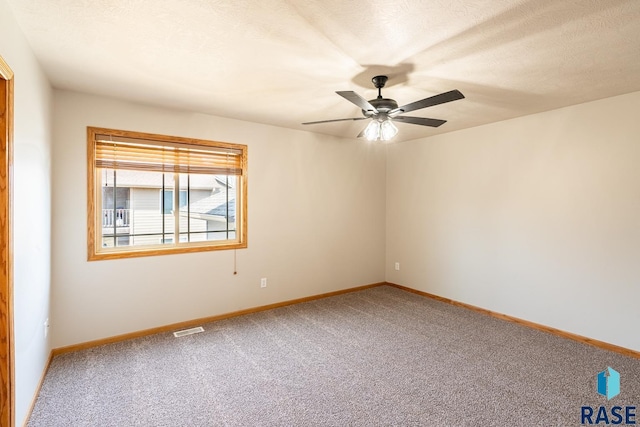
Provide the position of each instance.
(159, 250)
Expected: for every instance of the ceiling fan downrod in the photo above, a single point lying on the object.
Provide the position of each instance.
(379, 82)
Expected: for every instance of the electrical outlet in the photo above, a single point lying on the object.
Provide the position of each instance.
(263, 282)
(397, 266)
(46, 327)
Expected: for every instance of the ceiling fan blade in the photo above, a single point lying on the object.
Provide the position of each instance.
(358, 100)
(361, 134)
(452, 95)
(423, 121)
(334, 120)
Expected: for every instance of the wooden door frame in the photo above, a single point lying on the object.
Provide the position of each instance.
(7, 390)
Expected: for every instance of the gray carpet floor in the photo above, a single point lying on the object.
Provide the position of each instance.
(378, 357)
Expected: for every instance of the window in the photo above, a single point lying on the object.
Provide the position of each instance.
(154, 194)
(167, 205)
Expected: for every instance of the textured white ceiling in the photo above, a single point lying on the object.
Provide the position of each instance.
(280, 61)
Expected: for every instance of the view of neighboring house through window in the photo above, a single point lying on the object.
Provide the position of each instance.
(137, 210)
(167, 200)
(115, 211)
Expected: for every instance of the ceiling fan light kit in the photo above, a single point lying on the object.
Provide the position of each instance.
(383, 131)
(383, 111)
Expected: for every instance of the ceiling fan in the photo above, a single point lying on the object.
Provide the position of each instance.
(384, 111)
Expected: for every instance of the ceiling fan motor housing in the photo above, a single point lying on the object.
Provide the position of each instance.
(383, 105)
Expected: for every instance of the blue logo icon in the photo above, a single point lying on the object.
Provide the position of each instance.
(609, 383)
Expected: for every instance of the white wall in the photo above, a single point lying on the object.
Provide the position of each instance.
(536, 217)
(316, 224)
(32, 200)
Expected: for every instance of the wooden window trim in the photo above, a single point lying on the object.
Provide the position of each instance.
(94, 227)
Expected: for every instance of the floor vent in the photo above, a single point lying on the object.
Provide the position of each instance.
(188, 332)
